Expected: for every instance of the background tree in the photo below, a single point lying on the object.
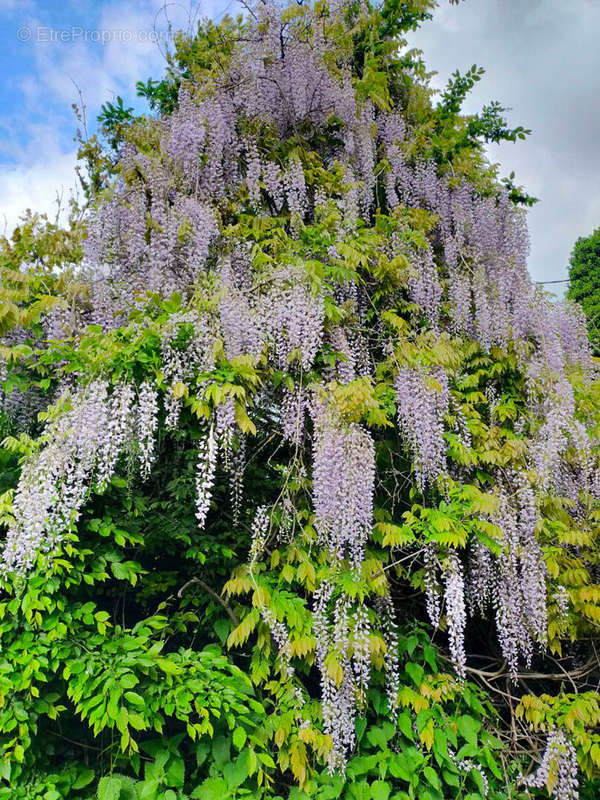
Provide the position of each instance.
(303, 502)
(584, 286)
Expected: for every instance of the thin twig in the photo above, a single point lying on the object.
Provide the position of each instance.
(209, 590)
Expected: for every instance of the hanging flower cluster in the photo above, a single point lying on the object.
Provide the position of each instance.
(341, 640)
(343, 484)
(92, 428)
(513, 583)
(485, 245)
(149, 236)
(389, 628)
(456, 612)
(187, 347)
(147, 425)
(423, 400)
(510, 581)
(205, 475)
(558, 769)
(292, 316)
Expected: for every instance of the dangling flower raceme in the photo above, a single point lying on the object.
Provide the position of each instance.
(147, 424)
(389, 628)
(341, 634)
(423, 400)
(205, 474)
(558, 768)
(92, 427)
(343, 483)
(454, 597)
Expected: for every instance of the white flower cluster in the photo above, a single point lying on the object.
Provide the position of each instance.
(187, 347)
(456, 612)
(205, 475)
(387, 615)
(558, 769)
(338, 697)
(81, 445)
(423, 399)
(513, 583)
(260, 532)
(147, 423)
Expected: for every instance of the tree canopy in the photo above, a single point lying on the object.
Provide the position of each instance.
(299, 470)
(584, 286)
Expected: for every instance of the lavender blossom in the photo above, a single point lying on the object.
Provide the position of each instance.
(423, 401)
(343, 484)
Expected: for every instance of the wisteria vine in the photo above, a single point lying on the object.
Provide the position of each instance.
(305, 314)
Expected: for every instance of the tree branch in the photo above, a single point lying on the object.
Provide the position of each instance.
(209, 590)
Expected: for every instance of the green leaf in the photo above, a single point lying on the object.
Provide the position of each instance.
(128, 680)
(360, 790)
(168, 667)
(405, 724)
(85, 777)
(416, 672)
(377, 738)
(360, 724)
(212, 789)
(266, 759)
(467, 751)
(430, 794)
(451, 778)
(401, 767)
(120, 572)
(251, 761)
(109, 788)
(362, 765)
(380, 790)
(432, 777)
(430, 654)
(134, 698)
(239, 738)
(175, 773)
(440, 746)
(148, 790)
(221, 750)
(468, 727)
(237, 772)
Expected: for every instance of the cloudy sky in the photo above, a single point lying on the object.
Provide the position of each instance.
(52, 54)
(541, 58)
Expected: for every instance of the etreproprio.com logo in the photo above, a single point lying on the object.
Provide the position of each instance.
(41, 33)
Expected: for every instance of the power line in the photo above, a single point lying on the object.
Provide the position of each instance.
(565, 280)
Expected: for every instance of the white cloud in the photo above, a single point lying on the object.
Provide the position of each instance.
(36, 186)
(40, 154)
(102, 61)
(41, 157)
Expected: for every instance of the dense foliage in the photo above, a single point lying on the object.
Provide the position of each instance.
(584, 282)
(300, 481)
